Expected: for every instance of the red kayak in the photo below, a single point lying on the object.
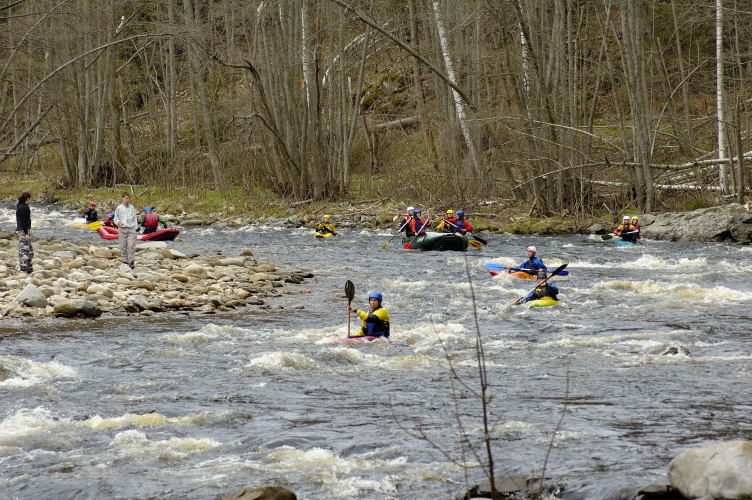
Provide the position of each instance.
(167, 234)
(517, 274)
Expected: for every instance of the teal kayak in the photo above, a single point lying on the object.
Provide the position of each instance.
(624, 243)
(439, 241)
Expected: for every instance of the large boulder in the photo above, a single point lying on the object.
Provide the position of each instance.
(31, 296)
(77, 309)
(724, 223)
(262, 493)
(719, 471)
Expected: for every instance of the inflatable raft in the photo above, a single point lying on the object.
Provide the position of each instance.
(167, 234)
(439, 242)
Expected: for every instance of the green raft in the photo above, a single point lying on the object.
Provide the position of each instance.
(439, 241)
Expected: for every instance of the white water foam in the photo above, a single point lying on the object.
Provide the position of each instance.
(26, 373)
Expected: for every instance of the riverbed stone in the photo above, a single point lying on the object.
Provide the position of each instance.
(150, 245)
(196, 270)
(262, 493)
(100, 252)
(263, 277)
(31, 296)
(77, 308)
(177, 254)
(100, 290)
(718, 471)
(659, 492)
(64, 254)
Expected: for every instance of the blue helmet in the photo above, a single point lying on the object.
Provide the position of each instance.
(460, 213)
(417, 211)
(376, 295)
(147, 209)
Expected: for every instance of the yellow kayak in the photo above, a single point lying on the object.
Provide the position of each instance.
(545, 301)
(322, 235)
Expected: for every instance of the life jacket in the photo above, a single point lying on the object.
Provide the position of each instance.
(151, 220)
(325, 228)
(547, 291)
(415, 225)
(377, 328)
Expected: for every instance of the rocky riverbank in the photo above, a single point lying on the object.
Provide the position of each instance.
(73, 280)
(727, 223)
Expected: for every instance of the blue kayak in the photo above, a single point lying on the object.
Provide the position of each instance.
(623, 243)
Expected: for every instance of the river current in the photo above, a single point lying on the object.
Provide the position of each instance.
(653, 343)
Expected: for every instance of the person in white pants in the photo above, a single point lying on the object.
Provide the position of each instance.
(125, 220)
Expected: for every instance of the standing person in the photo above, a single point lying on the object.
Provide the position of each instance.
(91, 213)
(23, 227)
(151, 221)
(376, 321)
(125, 219)
(532, 265)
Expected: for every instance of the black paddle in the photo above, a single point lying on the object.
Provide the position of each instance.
(556, 271)
(473, 236)
(350, 294)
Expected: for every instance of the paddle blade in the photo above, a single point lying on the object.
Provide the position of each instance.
(492, 266)
(607, 236)
(95, 225)
(349, 290)
(475, 244)
(480, 240)
(408, 245)
(383, 245)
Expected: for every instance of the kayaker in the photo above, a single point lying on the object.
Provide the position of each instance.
(623, 227)
(406, 219)
(109, 220)
(23, 227)
(90, 214)
(544, 289)
(375, 321)
(634, 230)
(151, 221)
(416, 226)
(460, 224)
(532, 265)
(125, 220)
(445, 225)
(326, 226)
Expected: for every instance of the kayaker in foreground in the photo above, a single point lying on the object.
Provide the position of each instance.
(416, 226)
(544, 289)
(326, 226)
(151, 221)
(90, 214)
(532, 265)
(375, 321)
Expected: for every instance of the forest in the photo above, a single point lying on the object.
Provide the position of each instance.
(560, 105)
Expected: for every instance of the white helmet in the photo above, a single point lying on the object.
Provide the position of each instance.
(410, 210)
(626, 217)
(532, 249)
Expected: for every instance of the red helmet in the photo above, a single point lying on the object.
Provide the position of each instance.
(93, 204)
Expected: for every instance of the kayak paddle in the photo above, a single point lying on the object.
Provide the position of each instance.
(398, 232)
(492, 266)
(609, 236)
(350, 294)
(409, 244)
(92, 225)
(478, 239)
(557, 271)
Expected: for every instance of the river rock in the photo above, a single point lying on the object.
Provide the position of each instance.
(506, 486)
(730, 222)
(176, 254)
(98, 264)
(243, 294)
(598, 228)
(197, 271)
(231, 261)
(31, 296)
(100, 252)
(100, 290)
(125, 269)
(719, 471)
(659, 492)
(151, 245)
(77, 308)
(64, 254)
(262, 493)
(264, 277)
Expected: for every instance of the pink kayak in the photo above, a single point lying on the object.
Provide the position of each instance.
(167, 234)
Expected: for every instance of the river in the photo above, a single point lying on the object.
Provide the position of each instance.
(193, 407)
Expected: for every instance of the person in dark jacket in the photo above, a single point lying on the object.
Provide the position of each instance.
(544, 289)
(23, 227)
(90, 214)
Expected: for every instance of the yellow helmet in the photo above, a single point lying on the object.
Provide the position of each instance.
(635, 218)
(327, 217)
(450, 212)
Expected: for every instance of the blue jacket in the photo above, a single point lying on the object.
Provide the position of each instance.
(531, 266)
(548, 291)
